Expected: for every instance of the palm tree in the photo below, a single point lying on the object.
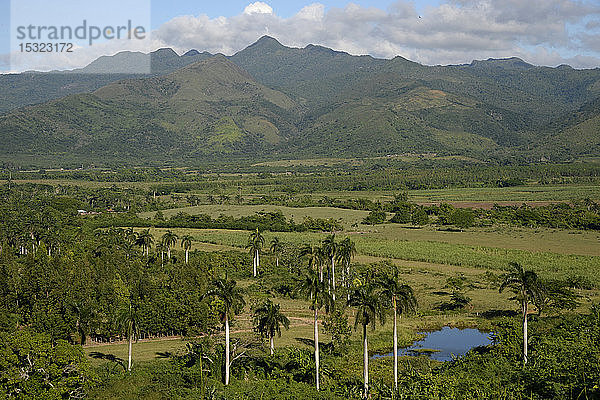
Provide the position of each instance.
(169, 239)
(255, 243)
(330, 250)
(369, 308)
(128, 320)
(145, 240)
(268, 320)
(346, 251)
(315, 258)
(186, 243)
(403, 299)
(313, 288)
(276, 249)
(233, 302)
(161, 248)
(526, 286)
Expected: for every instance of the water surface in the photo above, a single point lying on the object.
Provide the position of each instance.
(446, 344)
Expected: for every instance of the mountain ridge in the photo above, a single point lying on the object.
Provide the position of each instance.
(270, 99)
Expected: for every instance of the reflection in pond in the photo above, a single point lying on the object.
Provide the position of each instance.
(445, 344)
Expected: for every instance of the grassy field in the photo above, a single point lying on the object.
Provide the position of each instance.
(426, 258)
(348, 217)
(230, 184)
(427, 287)
(557, 254)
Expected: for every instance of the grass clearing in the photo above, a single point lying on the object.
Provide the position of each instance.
(552, 264)
(348, 217)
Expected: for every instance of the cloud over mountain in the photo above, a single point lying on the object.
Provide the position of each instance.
(457, 31)
(542, 32)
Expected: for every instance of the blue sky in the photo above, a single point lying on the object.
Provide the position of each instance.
(542, 32)
(162, 11)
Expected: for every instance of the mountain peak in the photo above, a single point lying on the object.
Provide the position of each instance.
(268, 39)
(165, 51)
(266, 42)
(511, 62)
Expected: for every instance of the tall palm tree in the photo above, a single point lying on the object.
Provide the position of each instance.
(314, 289)
(256, 241)
(346, 251)
(314, 255)
(276, 249)
(526, 286)
(160, 248)
(268, 320)
(369, 308)
(403, 299)
(128, 320)
(169, 239)
(145, 241)
(186, 243)
(233, 301)
(330, 250)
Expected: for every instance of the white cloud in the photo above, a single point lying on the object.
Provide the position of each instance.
(313, 12)
(456, 31)
(544, 32)
(258, 8)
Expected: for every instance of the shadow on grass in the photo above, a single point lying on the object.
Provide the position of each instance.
(499, 313)
(108, 357)
(311, 343)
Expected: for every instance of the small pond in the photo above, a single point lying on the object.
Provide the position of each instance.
(445, 344)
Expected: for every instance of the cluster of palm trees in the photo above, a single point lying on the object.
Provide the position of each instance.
(145, 240)
(323, 257)
(256, 241)
(327, 255)
(371, 296)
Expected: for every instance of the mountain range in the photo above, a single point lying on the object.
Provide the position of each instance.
(272, 101)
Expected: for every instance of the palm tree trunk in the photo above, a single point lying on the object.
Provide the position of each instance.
(395, 348)
(525, 334)
(277, 261)
(366, 362)
(130, 349)
(254, 265)
(257, 259)
(316, 350)
(169, 253)
(272, 344)
(187, 253)
(348, 280)
(333, 276)
(226, 350)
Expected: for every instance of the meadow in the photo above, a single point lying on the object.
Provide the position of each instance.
(439, 262)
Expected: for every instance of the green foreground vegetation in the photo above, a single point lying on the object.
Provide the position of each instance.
(140, 293)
